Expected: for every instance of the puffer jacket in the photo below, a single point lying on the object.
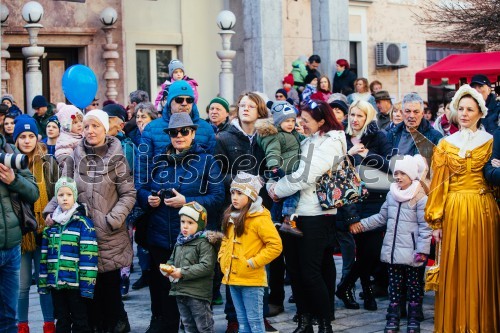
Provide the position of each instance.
(407, 231)
(299, 72)
(25, 186)
(196, 176)
(154, 142)
(243, 259)
(282, 149)
(106, 186)
(319, 153)
(66, 143)
(196, 259)
(69, 256)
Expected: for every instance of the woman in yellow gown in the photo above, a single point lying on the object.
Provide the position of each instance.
(465, 217)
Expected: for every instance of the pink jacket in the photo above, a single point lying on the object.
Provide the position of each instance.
(192, 83)
(66, 143)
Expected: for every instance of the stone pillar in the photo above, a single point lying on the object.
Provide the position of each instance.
(110, 55)
(330, 32)
(32, 54)
(4, 55)
(263, 45)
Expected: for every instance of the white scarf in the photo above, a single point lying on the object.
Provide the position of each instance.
(404, 195)
(63, 217)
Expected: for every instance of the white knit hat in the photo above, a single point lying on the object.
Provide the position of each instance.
(247, 184)
(100, 116)
(413, 166)
(65, 115)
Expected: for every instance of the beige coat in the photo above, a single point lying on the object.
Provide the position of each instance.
(106, 186)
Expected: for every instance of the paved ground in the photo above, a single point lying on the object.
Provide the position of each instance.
(353, 321)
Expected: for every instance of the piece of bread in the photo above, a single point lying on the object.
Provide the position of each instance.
(167, 268)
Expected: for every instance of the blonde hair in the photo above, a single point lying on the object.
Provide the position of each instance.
(396, 106)
(369, 112)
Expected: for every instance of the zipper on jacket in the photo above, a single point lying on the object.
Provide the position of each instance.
(395, 233)
(413, 240)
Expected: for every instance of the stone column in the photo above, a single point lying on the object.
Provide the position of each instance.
(263, 45)
(110, 55)
(330, 32)
(32, 54)
(4, 55)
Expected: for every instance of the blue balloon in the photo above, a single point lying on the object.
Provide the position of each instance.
(79, 85)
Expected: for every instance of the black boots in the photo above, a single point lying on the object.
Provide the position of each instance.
(345, 294)
(369, 298)
(324, 326)
(392, 316)
(157, 325)
(305, 325)
(413, 322)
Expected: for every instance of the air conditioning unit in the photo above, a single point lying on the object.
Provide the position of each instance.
(391, 55)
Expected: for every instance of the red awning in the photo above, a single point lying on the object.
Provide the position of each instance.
(461, 66)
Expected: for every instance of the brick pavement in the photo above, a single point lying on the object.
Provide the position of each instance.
(352, 321)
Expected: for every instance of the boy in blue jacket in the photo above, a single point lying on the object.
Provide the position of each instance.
(68, 267)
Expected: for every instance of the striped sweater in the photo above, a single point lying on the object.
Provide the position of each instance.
(69, 256)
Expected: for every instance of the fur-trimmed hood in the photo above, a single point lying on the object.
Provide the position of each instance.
(265, 127)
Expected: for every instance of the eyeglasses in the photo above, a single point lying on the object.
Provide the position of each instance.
(173, 133)
(247, 107)
(180, 100)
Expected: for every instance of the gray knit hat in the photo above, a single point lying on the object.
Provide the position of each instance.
(282, 111)
(173, 65)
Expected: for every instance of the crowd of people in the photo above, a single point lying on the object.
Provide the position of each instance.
(232, 200)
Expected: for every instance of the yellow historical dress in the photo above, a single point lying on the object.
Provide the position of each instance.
(463, 206)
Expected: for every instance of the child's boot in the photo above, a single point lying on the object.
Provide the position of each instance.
(23, 328)
(392, 325)
(49, 327)
(413, 323)
(289, 226)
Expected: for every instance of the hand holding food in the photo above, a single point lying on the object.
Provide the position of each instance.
(166, 269)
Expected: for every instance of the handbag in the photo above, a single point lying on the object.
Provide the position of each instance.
(432, 275)
(341, 187)
(24, 213)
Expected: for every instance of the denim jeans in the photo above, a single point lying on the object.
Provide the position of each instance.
(30, 261)
(248, 302)
(144, 258)
(10, 262)
(196, 315)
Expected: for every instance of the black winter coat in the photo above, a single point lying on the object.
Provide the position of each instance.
(345, 80)
(490, 123)
(491, 173)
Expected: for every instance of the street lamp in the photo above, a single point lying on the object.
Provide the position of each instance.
(226, 21)
(108, 18)
(32, 13)
(4, 15)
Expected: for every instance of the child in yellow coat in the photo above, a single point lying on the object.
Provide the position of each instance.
(250, 242)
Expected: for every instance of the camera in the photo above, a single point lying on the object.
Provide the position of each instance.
(14, 161)
(163, 194)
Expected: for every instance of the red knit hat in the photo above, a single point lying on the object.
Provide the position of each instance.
(288, 79)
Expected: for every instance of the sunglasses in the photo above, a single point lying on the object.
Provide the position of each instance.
(173, 133)
(180, 100)
(95, 104)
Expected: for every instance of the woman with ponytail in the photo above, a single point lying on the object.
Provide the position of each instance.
(46, 172)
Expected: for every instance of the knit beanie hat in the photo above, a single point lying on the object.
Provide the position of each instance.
(69, 183)
(288, 79)
(8, 97)
(66, 113)
(196, 212)
(173, 65)
(282, 91)
(413, 166)
(24, 123)
(247, 184)
(39, 102)
(179, 88)
(55, 120)
(282, 111)
(221, 101)
(100, 116)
